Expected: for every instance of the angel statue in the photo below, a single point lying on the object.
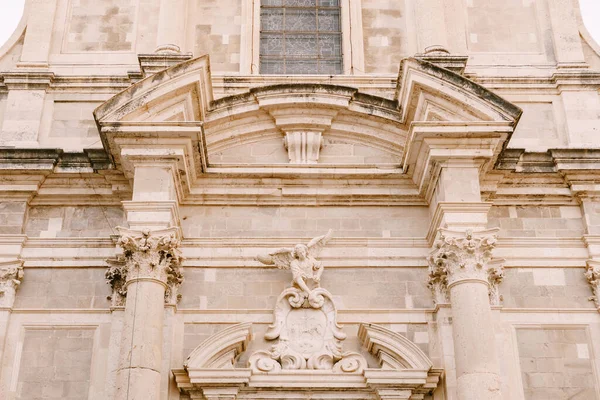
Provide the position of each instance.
(301, 260)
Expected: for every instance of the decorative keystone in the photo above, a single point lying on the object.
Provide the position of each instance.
(303, 147)
(148, 255)
(460, 256)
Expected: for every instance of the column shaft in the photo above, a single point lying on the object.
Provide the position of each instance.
(474, 342)
(138, 377)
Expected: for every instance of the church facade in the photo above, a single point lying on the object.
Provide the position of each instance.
(300, 199)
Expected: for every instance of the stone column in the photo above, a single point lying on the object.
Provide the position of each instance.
(461, 264)
(150, 274)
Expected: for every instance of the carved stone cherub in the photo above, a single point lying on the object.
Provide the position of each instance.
(301, 260)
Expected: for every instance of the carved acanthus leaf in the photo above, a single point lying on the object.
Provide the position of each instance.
(459, 256)
(146, 255)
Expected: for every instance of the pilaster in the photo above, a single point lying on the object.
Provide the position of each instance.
(462, 274)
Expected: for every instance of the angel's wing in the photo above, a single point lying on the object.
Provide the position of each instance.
(282, 258)
(316, 245)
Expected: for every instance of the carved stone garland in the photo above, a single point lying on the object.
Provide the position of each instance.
(461, 256)
(149, 255)
(10, 279)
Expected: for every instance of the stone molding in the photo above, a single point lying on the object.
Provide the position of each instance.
(147, 256)
(393, 350)
(11, 275)
(464, 256)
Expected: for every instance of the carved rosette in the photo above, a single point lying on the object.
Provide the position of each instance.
(461, 256)
(11, 275)
(147, 255)
(592, 274)
(308, 336)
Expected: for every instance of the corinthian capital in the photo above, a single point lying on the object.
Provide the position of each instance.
(11, 275)
(460, 256)
(147, 255)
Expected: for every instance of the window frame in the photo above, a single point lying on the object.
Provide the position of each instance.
(352, 38)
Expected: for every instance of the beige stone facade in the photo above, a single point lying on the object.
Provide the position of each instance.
(176, 225)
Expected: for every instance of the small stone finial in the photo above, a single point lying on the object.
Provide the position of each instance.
(459, 256)
(441, 56)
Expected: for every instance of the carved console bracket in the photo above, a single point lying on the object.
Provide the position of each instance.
(464, 256)
(147, 255)
(303, 147)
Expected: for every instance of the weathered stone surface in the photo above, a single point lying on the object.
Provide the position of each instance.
(107, 120)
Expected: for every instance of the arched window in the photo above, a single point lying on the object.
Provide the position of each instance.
(300, 37)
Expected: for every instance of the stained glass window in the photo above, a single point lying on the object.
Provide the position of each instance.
(300, 37)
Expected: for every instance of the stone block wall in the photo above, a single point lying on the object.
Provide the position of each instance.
(556, 363)
(546, 288)
(12, 216)
(538, 128)
(537, 221)
(106, 25)
(503, 26)
(243, 221)
(49, 221)
(215, 29)
(258, 288)
(64, 288)
(385, 38)
(55, 364)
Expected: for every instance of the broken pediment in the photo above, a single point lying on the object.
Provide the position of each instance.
(172, 116)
